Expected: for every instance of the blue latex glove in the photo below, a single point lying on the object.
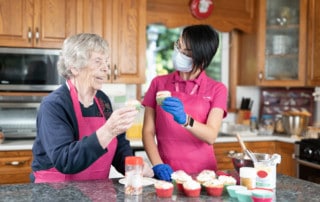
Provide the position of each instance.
(175, 107)
(162, 172)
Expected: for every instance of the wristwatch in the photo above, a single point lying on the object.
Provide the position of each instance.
(189, 123)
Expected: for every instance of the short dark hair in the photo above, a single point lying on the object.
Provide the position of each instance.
(203, 41)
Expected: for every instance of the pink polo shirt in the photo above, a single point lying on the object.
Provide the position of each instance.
(215, 92)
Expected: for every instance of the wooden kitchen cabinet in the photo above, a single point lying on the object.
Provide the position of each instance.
(15, 166)
(123, 24)
(36, 23)
(223, 149)
(288, 163)
(313, 44)
(226, 15)
(275, 54)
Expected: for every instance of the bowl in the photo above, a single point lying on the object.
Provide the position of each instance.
(233, 188)
(262, 195)
(241, 160)
(244, 195)
(295, 124)
(257, 199)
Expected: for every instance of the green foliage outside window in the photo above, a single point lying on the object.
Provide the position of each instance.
(163, 56)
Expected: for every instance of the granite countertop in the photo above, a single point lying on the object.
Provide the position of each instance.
(8, 145)
(288, 189)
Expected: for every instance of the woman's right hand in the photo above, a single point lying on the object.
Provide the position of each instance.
(119, 122)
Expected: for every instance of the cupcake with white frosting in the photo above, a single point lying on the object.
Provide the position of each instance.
(192, 188)
(214, 187)
(179, 177)
(205, 175)
(163, 188)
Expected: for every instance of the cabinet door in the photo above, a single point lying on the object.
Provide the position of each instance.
(222, 150)
(54, 21)
(128, 43)
(313, 61)
(288, 163)
(276, 54)
(16, 22)
(95, 15)
(36, 23)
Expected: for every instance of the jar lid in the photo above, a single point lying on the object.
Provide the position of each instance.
(133, 160)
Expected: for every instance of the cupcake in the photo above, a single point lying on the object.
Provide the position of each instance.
(192, 188)
(161, 95)
(179, 177)
(227, 181)
(164, 189)
(214, 187)
(205, 175)
(133, 103)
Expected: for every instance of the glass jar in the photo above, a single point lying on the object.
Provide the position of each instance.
(133, 175)
(253, 123)
(266, 125)
(278, 124)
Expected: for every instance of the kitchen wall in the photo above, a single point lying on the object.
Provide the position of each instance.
(118, 93)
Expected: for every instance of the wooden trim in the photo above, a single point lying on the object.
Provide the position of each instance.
(233, 70)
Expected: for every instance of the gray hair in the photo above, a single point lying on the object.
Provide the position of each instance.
(76, 52)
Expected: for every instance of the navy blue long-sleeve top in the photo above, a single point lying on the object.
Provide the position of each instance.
(57, 142)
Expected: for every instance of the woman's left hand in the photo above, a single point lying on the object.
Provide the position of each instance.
(175, 107)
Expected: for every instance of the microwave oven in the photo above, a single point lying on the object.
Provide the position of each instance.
(27, 69)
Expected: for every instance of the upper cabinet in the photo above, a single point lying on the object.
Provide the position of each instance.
(226, 15)
(36, 23)
(313, 61)
(275, 55)
(123, 24)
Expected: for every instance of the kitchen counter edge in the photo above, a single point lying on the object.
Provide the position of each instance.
(10, 145)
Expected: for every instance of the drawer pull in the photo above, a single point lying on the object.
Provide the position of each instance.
(231, 152)
(15, 163)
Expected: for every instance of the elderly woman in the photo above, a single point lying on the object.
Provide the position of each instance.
(79, 137)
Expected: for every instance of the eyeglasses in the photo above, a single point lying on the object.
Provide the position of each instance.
(185, 51)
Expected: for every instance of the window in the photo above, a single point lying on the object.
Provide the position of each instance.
(160, 40)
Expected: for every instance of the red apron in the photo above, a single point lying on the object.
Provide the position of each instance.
(87, 125)
(177, 146)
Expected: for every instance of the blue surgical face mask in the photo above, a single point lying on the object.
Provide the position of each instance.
(181, 62)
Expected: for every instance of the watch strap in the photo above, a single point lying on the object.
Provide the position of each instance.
(189, 122)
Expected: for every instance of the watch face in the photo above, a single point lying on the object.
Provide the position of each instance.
(191, 122)
(201, 8)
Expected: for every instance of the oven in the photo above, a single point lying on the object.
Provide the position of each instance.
(307, 154)
(18, 115)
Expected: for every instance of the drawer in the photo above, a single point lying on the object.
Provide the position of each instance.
(15, 166)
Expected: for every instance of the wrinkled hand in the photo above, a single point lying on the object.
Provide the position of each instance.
(162, 172)
(120, 120)
(175, 107)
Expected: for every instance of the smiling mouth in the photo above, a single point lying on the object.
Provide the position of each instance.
(100, 78)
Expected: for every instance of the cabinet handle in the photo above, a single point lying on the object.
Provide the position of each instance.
(37, 35)
(109, 72)
(115, 72)
(29, 35)
(260, 76)
(15, 163)
(231, 152)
